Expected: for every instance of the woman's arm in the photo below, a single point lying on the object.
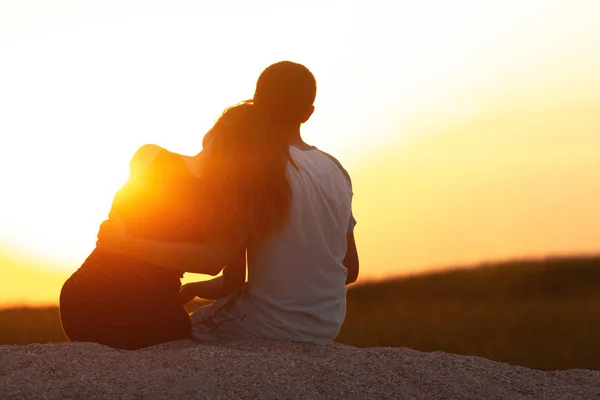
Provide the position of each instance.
(234, 276)
(202, 258)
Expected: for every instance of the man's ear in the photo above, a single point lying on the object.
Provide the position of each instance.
(308, 114)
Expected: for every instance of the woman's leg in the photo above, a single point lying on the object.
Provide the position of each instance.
(137, 333)
(159, 326)
(123, 326)
(72, 314)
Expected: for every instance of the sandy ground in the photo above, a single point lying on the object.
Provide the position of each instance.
(272, 370)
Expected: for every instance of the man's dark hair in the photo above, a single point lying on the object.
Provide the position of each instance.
(286, 91)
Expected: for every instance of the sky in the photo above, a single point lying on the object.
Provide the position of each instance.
(470, 128)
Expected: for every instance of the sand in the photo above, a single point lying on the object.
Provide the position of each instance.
(272, 370)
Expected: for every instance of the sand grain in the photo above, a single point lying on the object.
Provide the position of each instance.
(272, 370)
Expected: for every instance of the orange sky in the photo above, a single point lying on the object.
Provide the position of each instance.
(470, 129)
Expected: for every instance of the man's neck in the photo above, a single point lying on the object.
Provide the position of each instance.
(294, 137)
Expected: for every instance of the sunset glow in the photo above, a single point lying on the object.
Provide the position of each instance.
(470, 128)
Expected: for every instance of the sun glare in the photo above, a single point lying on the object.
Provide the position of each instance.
(83, 86)
(80, 95)
(60, 201)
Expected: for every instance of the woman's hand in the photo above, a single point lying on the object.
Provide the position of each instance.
(111, 234)
(187, 293)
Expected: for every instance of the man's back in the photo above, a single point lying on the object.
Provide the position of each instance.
(297, 280)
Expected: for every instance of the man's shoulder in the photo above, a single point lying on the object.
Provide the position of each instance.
(336, 162)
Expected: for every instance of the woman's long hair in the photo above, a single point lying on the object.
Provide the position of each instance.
(245, 162)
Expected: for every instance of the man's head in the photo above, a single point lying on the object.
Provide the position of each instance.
(286, 91)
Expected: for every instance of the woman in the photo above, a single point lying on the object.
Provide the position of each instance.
(227, 192)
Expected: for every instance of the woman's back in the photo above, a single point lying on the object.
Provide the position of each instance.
(128, 303)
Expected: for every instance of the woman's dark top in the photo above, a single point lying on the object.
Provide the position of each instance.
(127, 303)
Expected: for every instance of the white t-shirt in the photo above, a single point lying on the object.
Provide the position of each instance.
(296, 286)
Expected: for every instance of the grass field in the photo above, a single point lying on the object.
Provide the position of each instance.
(543, 315)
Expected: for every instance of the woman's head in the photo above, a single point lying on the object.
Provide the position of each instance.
(246, 162)
(286, 91)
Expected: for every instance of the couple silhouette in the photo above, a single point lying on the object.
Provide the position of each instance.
(256, 198)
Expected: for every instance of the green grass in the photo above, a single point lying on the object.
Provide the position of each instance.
(541, 315)
(30, 325)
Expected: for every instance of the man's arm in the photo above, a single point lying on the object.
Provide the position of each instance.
(234, 276)
(351, 259)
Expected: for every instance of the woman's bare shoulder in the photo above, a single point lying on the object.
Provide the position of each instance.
(143, 157)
